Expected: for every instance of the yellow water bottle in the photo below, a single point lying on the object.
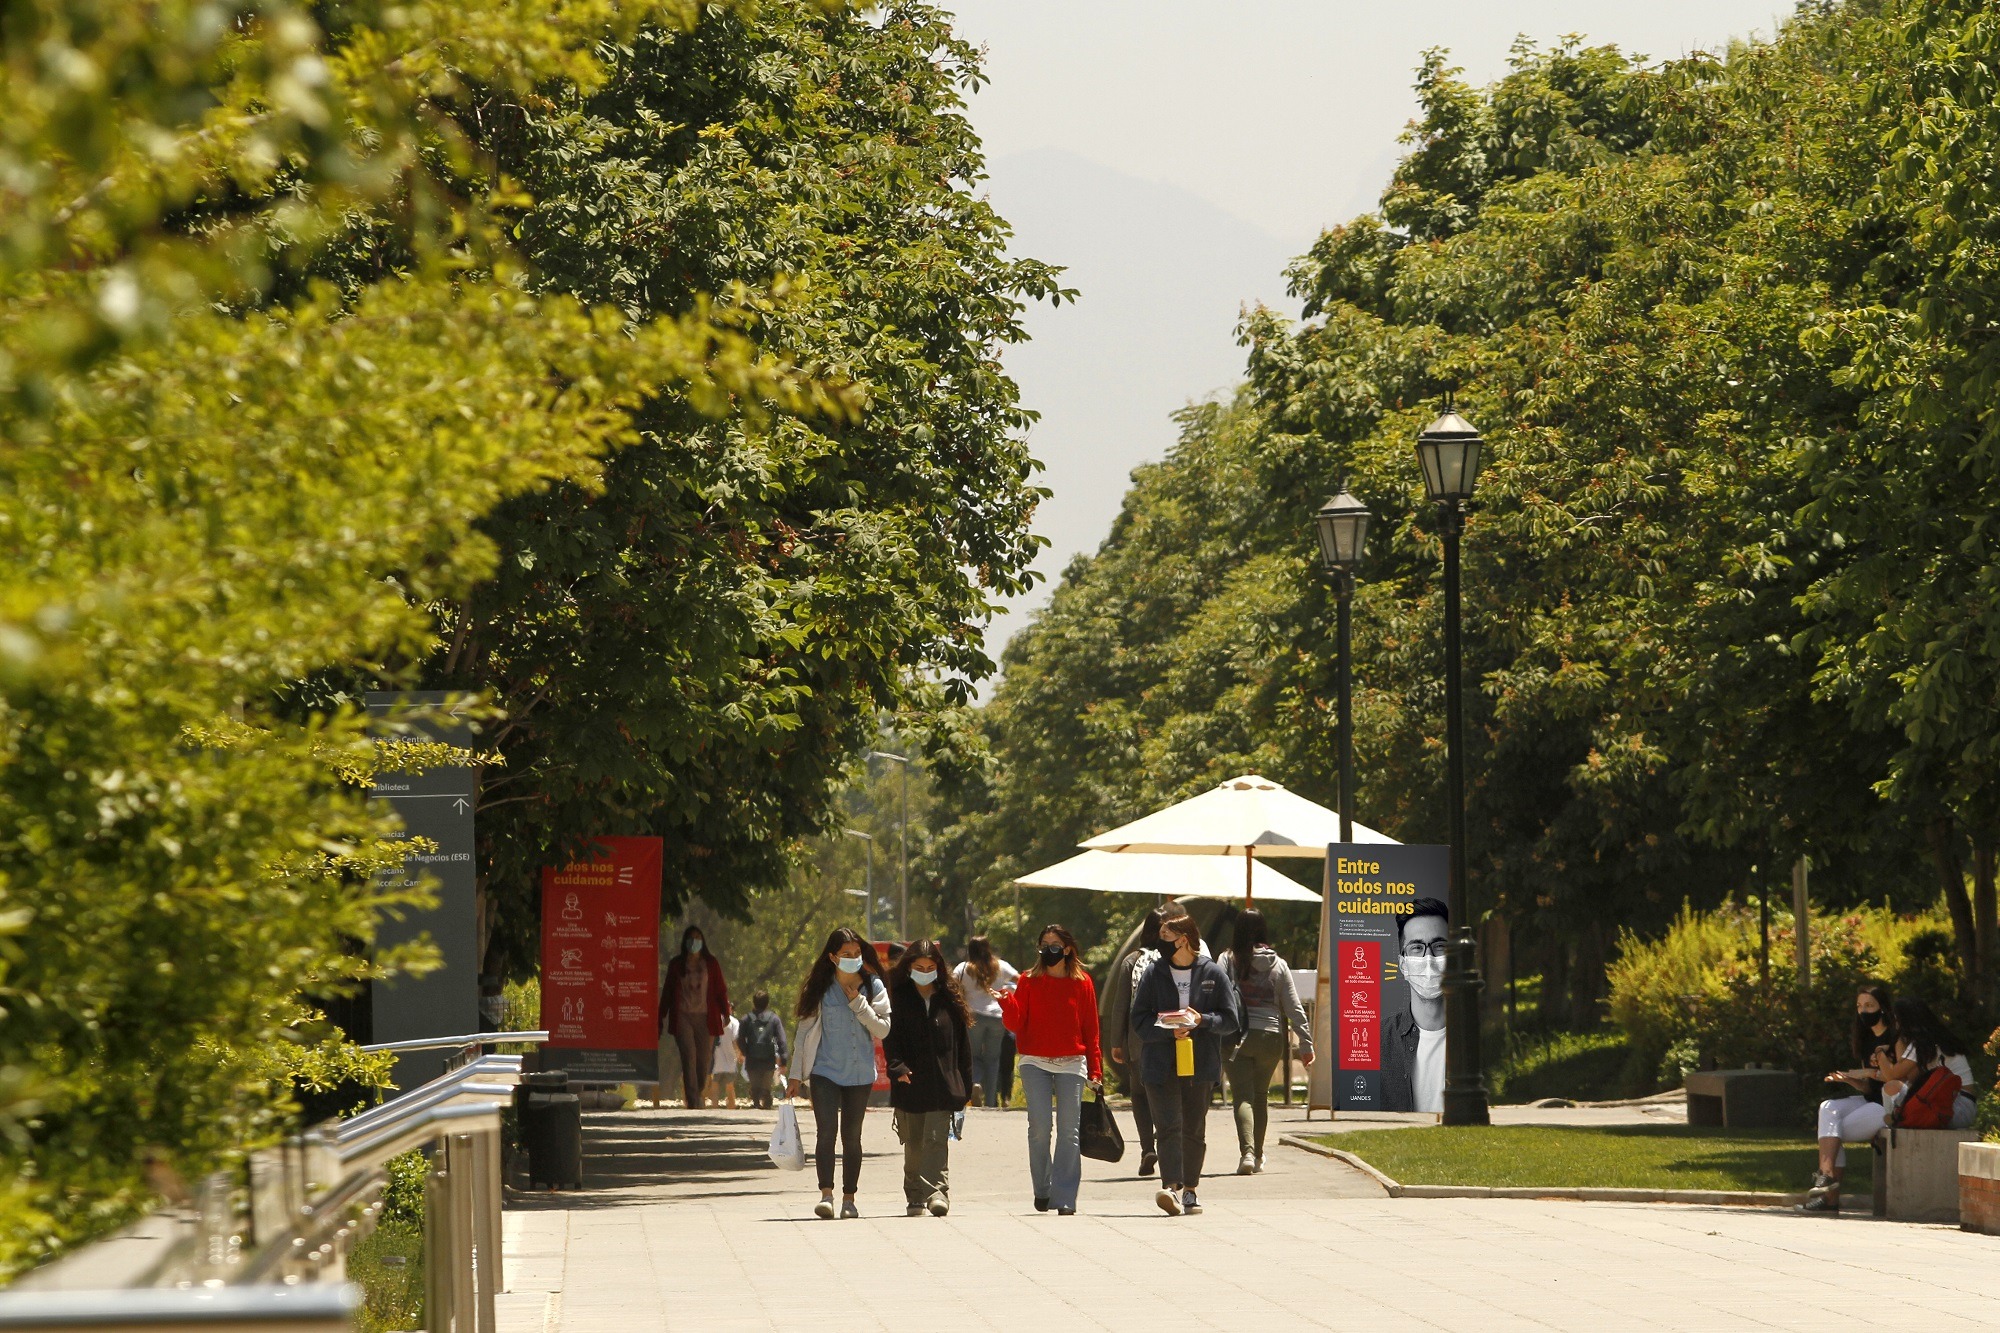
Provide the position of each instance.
(1184, 1054)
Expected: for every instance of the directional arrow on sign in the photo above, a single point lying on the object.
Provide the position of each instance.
(460, 805)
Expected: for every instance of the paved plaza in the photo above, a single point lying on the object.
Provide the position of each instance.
(686, 1225)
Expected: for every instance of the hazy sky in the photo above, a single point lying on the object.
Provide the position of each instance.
(1175, 155)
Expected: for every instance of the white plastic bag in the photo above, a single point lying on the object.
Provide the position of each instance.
(786, 1150)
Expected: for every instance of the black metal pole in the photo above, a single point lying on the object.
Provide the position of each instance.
(1464, 1075)
(1345, 593)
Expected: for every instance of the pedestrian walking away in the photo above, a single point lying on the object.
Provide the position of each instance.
(1185, 1010)
(843, 1011)
(1271, 1006)
(1052, 1012)
(694, 1003)
(728, 1060)
(979, 976)
(929, 1054)
(760, 1038)
(1125, 1048)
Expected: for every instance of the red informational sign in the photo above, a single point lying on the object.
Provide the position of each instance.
(600, 963)
(1358, 996)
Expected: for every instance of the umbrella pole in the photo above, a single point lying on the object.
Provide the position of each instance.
(1249, 899)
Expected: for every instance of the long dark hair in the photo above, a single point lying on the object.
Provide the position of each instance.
(1926, 1034)
(1865, 1040)
(1250, 932)
(954, 998)
(689, 934)
(821, 975)
(1068, 942)
(979, 960)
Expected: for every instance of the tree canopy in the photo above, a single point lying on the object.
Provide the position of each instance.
(1722, 321)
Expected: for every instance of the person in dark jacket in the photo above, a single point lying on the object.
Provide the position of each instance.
(929, 1054)
(1413, 1038)
(760, 1037)
(1183, 998)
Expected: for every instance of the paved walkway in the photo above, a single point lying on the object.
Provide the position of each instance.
(686, 1225)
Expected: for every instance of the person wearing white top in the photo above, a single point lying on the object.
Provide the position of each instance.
(722, 1075)
(979, 977)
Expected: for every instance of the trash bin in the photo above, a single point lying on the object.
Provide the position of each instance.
(552, 1133)
(551, 1080)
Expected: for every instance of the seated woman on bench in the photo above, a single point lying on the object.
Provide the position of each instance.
(1924, 1044)
(1854, 1116)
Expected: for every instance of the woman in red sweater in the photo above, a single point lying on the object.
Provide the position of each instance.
(1052, 1013)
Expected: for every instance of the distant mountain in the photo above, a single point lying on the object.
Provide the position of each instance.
(1163, 275)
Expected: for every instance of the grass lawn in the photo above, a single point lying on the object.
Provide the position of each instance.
(1673, 1157)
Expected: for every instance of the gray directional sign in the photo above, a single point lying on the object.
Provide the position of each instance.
(436, 805)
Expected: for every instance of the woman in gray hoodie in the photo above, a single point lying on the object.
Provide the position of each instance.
(1270, 1001)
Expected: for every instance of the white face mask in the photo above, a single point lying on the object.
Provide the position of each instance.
(1425, 975)
(849, 965)
(694, 946)
(922, 978)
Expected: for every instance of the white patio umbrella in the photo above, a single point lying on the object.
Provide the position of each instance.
(1249, 816)
(1168, 876)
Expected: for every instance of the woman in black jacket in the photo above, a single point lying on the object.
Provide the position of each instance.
(929, 1054)
(1183, 998)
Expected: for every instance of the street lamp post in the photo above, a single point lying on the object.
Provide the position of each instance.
(902, 846)
(868, 911)
(1449, 451)
(1343, 540)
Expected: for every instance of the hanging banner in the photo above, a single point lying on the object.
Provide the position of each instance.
(1380, 1012)
(600, 964)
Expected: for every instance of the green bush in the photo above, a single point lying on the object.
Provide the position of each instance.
(1582, 1066)
(1697, 994)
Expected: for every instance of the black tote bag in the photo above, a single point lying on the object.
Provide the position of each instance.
(1097, 1130)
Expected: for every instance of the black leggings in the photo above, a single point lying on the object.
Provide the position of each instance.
(837, 1112)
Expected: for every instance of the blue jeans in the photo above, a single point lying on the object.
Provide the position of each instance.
(1057, 1097)
(988, 1036)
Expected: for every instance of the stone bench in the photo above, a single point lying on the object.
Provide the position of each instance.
(1742, 1098)
(1917, 1175)
(1979, 1187)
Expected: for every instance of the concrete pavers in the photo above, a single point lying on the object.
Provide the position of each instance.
(689, 1228)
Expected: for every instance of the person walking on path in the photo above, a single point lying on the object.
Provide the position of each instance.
(693, 1007)
(1270, 1001)
(1052, 1012)
(760, 1038)
(843, 1011)
(1126, 1051)
(979, 976)
(1185, 1010)
(929, 1052)
(727, 1060)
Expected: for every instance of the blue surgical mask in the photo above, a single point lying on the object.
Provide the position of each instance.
(694, 946)
(922, 978)
(851, 965)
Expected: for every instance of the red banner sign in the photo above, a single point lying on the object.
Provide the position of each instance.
(600, 963)
(1358, 996)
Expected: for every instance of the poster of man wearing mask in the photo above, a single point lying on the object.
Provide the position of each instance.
(1387, 914)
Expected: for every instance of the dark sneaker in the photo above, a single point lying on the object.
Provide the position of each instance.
(847, 1209)
(1826, 1202)
(1188, 1203)
(1147, 1161)
(939, 1205)
(914, 1210)
(1041, 1205)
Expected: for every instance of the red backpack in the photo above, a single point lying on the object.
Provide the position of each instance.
(1930, 1101)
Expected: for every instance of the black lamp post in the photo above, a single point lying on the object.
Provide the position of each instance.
(1449, 450)
(1343, 540)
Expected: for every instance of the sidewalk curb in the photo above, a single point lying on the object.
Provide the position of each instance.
(1578, 1193)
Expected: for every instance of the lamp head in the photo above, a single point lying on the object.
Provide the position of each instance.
(1342, 523)
(1449, 450)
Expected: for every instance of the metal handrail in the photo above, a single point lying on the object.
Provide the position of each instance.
(469, 1039)
(274, 1255)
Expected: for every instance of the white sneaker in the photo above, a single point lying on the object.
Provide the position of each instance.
(1170, 1202)
(824, 1208)
(1188, 1204)
(1248, 1166)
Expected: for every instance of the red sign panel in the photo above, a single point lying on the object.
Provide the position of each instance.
(600, 961)
(1358, 997)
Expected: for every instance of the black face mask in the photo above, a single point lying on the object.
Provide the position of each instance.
(1870, 1020)
(1053, 954)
